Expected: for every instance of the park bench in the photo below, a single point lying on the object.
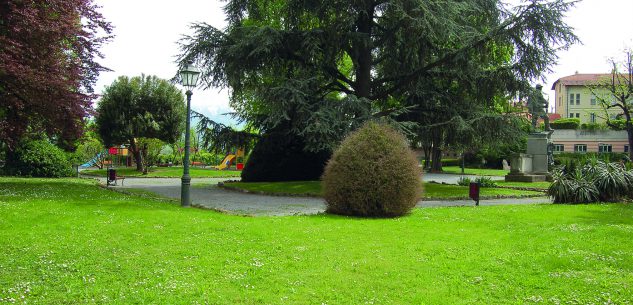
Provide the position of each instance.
(113, 178)
(197, 164)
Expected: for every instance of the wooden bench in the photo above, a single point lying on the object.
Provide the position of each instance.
(198, 164)
(112, 178)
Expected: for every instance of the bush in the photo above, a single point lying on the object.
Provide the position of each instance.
(483, 181)
(280, 157)
(569, 123)
(464, 181)
(566, 158)
(373, 173)
(592, 126)
(39, 158)
(593, 181)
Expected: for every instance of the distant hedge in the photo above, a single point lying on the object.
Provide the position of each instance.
(39, 158)
(569, 123)
(566, 158)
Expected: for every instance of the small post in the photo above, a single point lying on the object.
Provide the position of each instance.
(474, 192)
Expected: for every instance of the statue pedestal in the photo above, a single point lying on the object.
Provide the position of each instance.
(532, 166)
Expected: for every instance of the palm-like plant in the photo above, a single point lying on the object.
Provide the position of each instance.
(612, 181)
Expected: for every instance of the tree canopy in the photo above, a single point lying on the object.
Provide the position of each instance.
(140, 107)
(323, 67)
(47, 66)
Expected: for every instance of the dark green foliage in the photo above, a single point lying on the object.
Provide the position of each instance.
(279, 156)
(38, 158)
(373, 173)
(568, 123)
(140, 107)
(144, 106)
(592, 181)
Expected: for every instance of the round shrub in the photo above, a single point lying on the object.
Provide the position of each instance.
(39, 158)
(373, 173)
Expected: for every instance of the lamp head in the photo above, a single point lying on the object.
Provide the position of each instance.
(189, 76)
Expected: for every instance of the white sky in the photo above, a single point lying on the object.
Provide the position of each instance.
(147, 31)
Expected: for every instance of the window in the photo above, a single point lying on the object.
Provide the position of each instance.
(577, 98)
(626, 148)
(592, 117)
(560, 101)
(578, 115)
(571, 98)
(559, 148)
(603, 148)
(580, 148)
(571, 115)
(593, 100)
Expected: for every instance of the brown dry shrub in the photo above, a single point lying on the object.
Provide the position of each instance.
(373, 173)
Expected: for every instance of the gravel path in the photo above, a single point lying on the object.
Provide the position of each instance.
(206, 193)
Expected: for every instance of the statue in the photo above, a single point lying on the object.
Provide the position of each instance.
(537, 106)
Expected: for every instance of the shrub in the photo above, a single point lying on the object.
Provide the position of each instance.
(593, 181)
(569, 123)
(483, 181)
(39, 158)
(280, 157)
(463, 181)
(373, 173)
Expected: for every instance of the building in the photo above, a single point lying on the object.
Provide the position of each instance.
(573, 99)
(583, 141)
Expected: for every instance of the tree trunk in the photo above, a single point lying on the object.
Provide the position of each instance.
(427, 156)
(629, 132)
(138, 157)
(362, 48)
(436, 162)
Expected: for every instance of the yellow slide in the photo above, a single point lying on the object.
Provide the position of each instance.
(228, 159)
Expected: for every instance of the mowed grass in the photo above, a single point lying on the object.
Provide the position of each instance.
(71, 242)
(167, 172)
(543, 185)
(475, 171)
(431, 190)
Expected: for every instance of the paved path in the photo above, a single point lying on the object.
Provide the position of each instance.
(206, 193)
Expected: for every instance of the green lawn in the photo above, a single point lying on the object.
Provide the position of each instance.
(167, 172)
(475, 171)
(535, 185)
(431, 190)
(70, 242)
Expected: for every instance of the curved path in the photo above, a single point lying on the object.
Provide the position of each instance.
(206, 193)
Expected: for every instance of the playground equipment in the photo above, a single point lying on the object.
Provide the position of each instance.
(230, 159)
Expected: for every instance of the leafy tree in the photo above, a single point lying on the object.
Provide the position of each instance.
(47, 67)
(150, 149)
(140, 107)
(323, 67)
(616, 92)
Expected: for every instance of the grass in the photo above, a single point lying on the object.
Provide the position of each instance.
(167, 172)
(475, 171)
(431, 190)
(69, 242)
(536, 185)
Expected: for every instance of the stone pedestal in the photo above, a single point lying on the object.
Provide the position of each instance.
(533, 165)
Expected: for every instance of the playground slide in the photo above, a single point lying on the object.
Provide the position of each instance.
(229, 159)
(93, 162)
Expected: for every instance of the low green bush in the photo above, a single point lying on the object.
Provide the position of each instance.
(566, 158)
(568, 123)
(592, 181)
(592, 126)
(38, 158)
(373, 173)
(483, 181)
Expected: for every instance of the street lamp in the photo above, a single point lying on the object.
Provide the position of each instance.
(189, 77)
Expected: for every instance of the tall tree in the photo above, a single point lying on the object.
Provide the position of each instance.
(325, 65)
(47, 66)
(140, 107)
(616, 92)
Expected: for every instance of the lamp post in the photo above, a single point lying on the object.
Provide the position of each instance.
(189, 77)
